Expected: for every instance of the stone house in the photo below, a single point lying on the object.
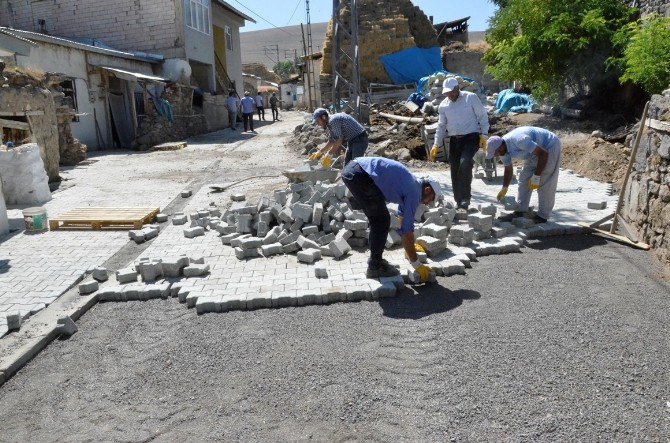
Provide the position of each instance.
(199, 39)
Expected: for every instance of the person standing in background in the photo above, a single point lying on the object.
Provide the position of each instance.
(259, 106)
(248, 104)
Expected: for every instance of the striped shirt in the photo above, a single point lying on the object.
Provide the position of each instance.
(344, 126)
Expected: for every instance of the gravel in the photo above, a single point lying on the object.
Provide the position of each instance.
(566, 341)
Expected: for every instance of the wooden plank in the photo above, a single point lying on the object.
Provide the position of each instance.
(602, 220)
(14, 124)
(615, 237)
(101, 218)
(627, 229)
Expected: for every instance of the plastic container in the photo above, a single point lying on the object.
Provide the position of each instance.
(35, 219)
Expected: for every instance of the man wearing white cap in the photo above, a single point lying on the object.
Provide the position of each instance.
(344, 131)
(541, 151)
(463, 117)
(374, 181)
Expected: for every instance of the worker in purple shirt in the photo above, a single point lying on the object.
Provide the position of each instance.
(374, 181)
(247, 103)
(344, 131)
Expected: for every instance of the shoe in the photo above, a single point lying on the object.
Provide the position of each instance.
(463, 206)
(512, 216)
(537, 219)
(385, 263)
(383, 270)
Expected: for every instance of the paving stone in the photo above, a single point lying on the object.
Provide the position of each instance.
(437, 231)
(296, 225)
(291, 248)
(385, 290)
(14, 321)
(498, 232)
(246, 253)
(432, 245)
(305, 243)
(327, 238)
(259, 300)
(272, 236)
(597, 205)
(272, 249)
(320, 272)
(309, 255)
(413, 277)
(186, 193)
(242, 208)
(303, 212)
(357, 242)
(420, 210)
(88, 287)
(238, 197)
(195, 270)
(126, 275)
(393, 238)
(325, 251)
(243, 223)
(251, 243)
(136, 235)
(396, 280)
(361, 233)
(149, 232)
(281, 299)
(233, 302)
(309, 230)
(173, 267)
(66, 326)
(150, 271)
(280, 197)
(290, 238)
(161, 218)
(482, 235)
(317, 212)
(235, 243)
(523, 222)
(355, 225)
(179, 220)
(224, 229)
(204, 305)
(488, 210)
(480, 222)
(194, 232)
(100, 274)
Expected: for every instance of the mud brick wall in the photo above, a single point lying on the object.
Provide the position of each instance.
(647, 198)
(131, 25)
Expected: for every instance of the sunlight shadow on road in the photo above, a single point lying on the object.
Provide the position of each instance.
(429, 299)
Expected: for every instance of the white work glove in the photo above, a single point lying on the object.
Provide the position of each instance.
(534, 182)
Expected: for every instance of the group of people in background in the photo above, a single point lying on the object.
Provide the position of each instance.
(246, 107)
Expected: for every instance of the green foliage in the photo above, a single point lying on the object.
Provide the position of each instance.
(646, 54)
(285, 69)
(551, 45)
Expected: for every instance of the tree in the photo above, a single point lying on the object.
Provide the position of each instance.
(551, 45)
(285, 69)
(646, 54)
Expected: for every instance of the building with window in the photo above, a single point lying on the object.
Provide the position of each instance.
(199, 39)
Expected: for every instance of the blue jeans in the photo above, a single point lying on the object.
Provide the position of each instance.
(371, 200)
(462, 149)
(356, 147)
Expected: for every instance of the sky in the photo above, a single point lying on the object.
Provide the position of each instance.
(292, 12)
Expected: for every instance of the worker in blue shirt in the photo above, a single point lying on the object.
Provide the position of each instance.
(374, 181)
(248, 104)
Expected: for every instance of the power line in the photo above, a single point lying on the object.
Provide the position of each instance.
(295, 9)
(267, 21)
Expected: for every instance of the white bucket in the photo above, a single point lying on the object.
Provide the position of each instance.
(35, 219)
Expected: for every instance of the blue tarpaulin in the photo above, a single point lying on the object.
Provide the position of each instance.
(510, 101)
(410, 65)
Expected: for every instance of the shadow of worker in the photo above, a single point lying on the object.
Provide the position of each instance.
(428, 299)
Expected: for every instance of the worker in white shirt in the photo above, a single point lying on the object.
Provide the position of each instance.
(259, 106)
(463, 118)
(232, 103)
(541, 152)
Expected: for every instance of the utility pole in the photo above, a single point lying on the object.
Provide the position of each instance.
(308, 65)
(342, 81)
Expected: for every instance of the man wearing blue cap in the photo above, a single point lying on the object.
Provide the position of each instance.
(541, 152)
(344, 130)
(373, 181)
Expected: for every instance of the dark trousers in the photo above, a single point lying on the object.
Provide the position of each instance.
(275, 113)
(371, 199)
(462, 150)
(261, 112)
(248, 118)
(356, 147)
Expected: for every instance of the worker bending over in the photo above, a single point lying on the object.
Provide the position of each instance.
(344, 131)
(541, 152)
(374, 181)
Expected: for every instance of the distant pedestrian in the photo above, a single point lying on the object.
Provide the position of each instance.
(463, 119)
(232, 103)
(259, 106)
(248, 111)
(344, 131)
(274, 102)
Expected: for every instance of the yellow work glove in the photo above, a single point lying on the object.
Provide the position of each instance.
(502, 193)
(316, 155)
(326, 162)
(534, 182)
(423, 270)
(482, 141)
(433, 153)
(418, 248)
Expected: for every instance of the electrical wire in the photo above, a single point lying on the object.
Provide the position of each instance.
(295, 9)
(264, 19)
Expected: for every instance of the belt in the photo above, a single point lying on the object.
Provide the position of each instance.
(464, 135)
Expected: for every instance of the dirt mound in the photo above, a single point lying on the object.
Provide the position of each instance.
(596, 159)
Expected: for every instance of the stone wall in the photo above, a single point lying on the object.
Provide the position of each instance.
(646, 7)
(647, 197)
(43, 125)
(469, 63)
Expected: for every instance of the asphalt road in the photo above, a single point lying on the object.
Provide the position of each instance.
(565, 341)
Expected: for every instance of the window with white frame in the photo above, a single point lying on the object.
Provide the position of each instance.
(196, 15)
(229, 37)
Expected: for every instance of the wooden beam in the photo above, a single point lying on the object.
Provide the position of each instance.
(14, 124)
(615, 237)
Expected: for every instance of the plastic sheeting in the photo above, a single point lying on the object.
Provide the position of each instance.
(411, 64)
(24, 180)
(510, 101)
(425, 83)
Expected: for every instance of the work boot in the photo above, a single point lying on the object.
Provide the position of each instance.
(383, 270)
(510, 217)
(537, 219)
